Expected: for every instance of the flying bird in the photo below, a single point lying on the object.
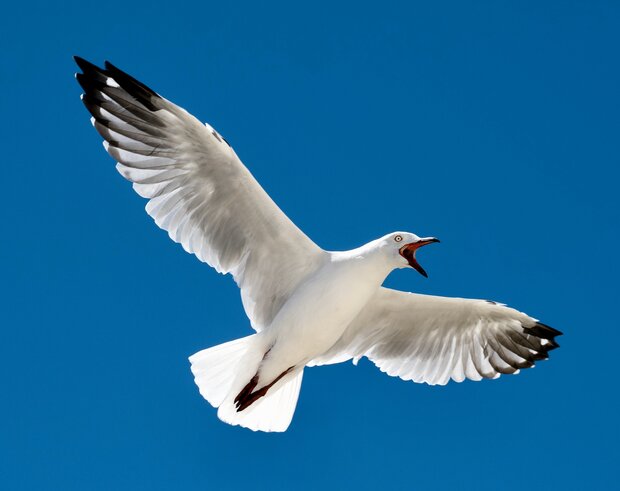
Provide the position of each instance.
(307, 305)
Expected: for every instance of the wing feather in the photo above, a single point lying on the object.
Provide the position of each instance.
(199, 190)
(436, 339)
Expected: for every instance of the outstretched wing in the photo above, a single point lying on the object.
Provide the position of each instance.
(198, 190)
(434, 339)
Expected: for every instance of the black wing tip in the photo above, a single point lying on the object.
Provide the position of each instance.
(80, 61)
(133, 87)
(86, 66)
(87, 83)
(543, 331)
(130, 84)
(555, 332)
(113, 68)
(531, 345)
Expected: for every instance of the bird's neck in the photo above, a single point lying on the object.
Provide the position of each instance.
(367, 258)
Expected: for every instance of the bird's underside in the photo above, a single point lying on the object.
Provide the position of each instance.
(206, 199)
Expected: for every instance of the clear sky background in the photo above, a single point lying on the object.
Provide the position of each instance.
(491, 125)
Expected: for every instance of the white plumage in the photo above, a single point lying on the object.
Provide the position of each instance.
(308, 306)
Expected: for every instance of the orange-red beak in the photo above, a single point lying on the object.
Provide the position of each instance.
(408, 252)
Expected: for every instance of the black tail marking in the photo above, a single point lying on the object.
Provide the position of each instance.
(246, 397)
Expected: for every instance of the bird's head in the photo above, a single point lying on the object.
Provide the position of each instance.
(402, 246)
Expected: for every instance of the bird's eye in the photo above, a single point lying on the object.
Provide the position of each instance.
(398, 238)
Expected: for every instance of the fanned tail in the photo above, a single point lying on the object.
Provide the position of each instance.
(216, 369)
(222, 371)
(272, 412)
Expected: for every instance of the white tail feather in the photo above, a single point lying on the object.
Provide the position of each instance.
(272, 412)
(222, 371)
(215, 368)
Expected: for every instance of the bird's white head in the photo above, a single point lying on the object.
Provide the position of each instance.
(401, 247)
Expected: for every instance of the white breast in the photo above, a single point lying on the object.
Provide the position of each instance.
(317, 314)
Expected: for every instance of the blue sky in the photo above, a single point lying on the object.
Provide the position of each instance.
(492, 125)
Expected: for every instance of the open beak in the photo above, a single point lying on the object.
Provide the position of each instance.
(408, 252)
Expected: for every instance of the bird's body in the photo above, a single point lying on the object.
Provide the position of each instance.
(308, 306)
(320, 309)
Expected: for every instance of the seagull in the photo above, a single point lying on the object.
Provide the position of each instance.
(307, 306)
